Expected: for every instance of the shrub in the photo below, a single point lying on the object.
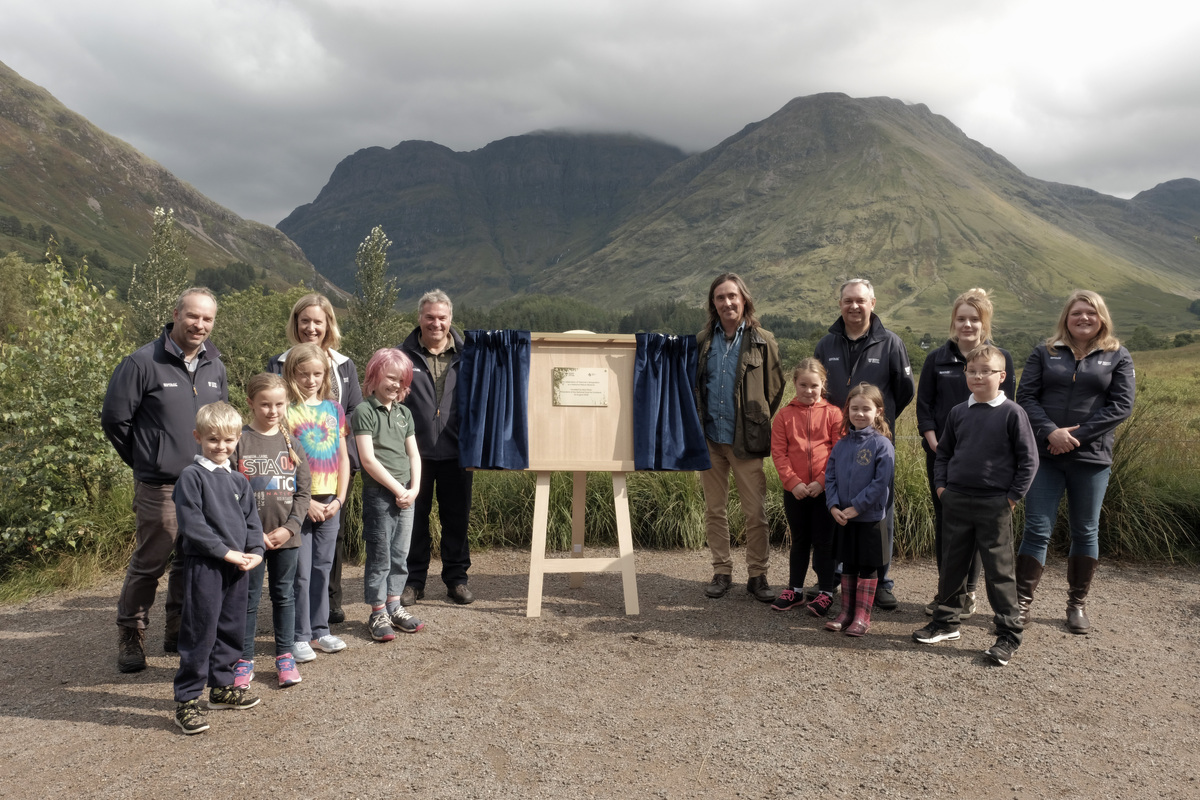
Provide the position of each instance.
(55, 462)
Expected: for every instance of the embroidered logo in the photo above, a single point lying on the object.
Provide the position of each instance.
(213, 385)
(863, 457)
(170, 385)
(834, 358)
(872, 360)
(908, 370)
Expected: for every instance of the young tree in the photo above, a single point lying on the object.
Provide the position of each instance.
(159, 280)
(373, 321)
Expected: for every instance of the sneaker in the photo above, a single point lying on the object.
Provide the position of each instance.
(968, 606)
(1002, 651)
(329, 644)
(190, 718)
(285, 665)
(932, 607)
(303, 652)
(243, 673)
(821, 604)
(406, 622)
(934, 633)
(229, 697)
(787, 599)
(381, 627)
(885, 600)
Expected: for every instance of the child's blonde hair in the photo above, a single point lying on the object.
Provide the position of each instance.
(979, 300)
(814, 366)
(298, 356)
(986, 352)
(872, 393)
(220, 418)
(262, 382)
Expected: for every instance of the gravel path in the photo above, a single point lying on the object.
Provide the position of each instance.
(692, 698)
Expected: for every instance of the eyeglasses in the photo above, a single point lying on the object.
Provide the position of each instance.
(983, 373)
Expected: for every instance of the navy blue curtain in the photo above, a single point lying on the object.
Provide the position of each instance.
(493, 400)
(667, 433)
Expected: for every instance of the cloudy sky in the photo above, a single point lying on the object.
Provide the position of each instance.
(255, 101)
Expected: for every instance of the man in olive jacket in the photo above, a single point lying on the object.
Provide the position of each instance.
(739, 385)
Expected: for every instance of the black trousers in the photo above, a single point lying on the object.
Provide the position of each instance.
(812, 531)
(452, 485)
(983, 526)
(977, 563)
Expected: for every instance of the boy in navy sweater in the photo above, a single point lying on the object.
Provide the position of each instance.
(985, 463)
(220, 541)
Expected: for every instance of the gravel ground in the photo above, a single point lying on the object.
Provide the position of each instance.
(691, 698)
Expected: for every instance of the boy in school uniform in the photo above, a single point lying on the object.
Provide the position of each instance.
(986, 459)
(220, 541)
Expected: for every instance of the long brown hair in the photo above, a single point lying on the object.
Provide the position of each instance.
(872, 393)
(1104, 340)
(747, 301)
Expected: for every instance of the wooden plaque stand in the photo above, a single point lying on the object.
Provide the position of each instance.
(581, 439)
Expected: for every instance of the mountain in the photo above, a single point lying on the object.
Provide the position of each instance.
(98, 193)
(828, 187)
(484, 224)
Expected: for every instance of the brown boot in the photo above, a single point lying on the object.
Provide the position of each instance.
(1029, 575)
(1080, 571)
(131, 656)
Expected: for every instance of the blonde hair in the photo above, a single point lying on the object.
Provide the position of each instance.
(986, 352)
(262, 382)
(219, 418)
(1104, 340)
(814, 366)
(298, 356)
(979, 300)
(333, 334)
(872, 393)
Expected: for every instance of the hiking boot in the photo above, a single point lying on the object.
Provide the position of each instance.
(405, 622)
(285, 665)
(131, 655)
(757, 586)
(190, 718)
(788, 599)
(230, 697)
(243, 673)
(381, 627)
(1002, 651)
(820, 604)
(934, 633)
(718, 586)
(460, 594)
(411, 595)
(884, 599)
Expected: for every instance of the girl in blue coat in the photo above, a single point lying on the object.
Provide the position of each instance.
(858, 480)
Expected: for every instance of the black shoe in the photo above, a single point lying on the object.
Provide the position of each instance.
(758, 587)
(719, 586)
(336, 615)
(190, 718)
(934, 633)
(411, 594)
(131, 655)
(460, 594)
(170, 645)
(1002, 651)
(884, 599)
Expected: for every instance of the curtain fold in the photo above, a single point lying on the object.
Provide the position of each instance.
(667, 434)
(493, 400)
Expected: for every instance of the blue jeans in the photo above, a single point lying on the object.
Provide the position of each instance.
(1085, 485)
(387, 533)
(280, 566)
(318, 542)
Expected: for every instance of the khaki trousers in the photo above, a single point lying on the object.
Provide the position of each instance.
(752, 490)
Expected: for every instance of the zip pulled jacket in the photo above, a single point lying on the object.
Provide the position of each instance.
(882, 362)
(943, 385)
(757, 389)
(437, 423)
(801, 439)
(150, 407)
(859, 474)
(1095, 392)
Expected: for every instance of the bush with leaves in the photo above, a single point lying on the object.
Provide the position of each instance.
(250, 328)
(55, 461)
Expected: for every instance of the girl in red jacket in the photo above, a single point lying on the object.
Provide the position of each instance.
(802, 435)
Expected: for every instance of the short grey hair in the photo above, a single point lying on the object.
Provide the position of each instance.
(852, 281)
(434, 296)
(204, 290)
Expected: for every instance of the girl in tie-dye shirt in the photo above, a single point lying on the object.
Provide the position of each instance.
(317, 422)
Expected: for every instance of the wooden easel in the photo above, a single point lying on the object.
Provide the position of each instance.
(581, 440)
